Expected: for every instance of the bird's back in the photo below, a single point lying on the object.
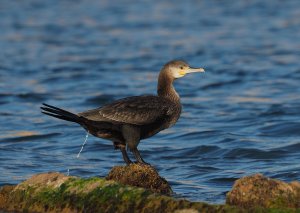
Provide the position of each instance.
(136, 110)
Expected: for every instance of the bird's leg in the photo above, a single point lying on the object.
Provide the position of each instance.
(138, 156)
(125, 156)
(122, 147)
(132, 136)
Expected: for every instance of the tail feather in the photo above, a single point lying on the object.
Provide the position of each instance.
(57, 109)
(60, 113)
(59, 117)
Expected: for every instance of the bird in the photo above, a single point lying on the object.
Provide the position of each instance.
(127, 121)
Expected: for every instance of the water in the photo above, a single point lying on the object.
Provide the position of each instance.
(239, 118)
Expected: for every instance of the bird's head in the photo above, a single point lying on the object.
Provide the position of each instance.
(178, 69)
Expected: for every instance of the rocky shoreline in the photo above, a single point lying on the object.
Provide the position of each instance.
(139, 188)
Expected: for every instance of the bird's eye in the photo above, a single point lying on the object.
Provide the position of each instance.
(181, 68)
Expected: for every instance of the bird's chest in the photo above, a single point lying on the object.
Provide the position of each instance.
(152, 129)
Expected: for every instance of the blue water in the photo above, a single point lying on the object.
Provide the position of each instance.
(239, 118)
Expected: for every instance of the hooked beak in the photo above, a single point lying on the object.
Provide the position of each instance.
(191, 70)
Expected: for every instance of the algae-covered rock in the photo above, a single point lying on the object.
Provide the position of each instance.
(258, 190)
(55, 192)
(144, 176)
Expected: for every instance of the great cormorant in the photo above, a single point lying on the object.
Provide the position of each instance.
(127, 121)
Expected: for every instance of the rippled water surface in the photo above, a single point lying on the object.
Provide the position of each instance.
(239, 118)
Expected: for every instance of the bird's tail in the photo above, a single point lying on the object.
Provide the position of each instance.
(60, 113)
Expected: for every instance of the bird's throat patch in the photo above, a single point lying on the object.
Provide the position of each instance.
(182, 73)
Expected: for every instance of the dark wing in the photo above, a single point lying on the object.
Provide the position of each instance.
(138, 110)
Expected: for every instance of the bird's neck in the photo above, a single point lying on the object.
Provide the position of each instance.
(165, 87)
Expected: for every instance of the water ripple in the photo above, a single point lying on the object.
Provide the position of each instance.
(281, 129)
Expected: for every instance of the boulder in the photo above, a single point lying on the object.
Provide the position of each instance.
(258, 190)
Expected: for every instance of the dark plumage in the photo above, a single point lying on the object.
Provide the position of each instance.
(129, 120)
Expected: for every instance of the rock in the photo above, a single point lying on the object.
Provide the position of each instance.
(144, 176)
(55, 192)
(50, 179)
(258, 190)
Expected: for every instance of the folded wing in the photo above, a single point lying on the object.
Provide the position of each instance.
(137, 110)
